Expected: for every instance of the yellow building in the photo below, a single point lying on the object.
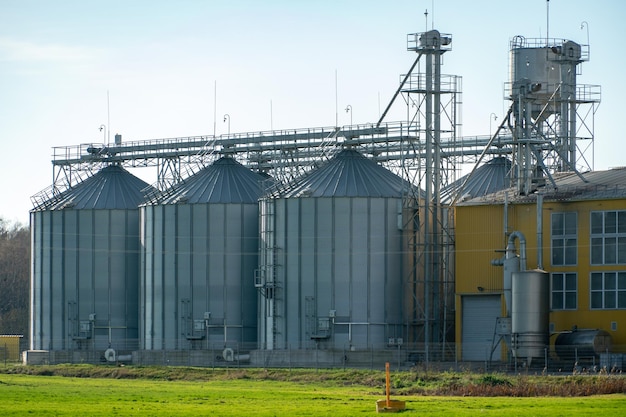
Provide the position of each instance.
(576, 232)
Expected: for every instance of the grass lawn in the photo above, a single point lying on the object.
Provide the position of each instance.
(64, 396)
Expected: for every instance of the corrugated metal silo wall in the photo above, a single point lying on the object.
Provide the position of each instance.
(335, 254)
(85, 269)
(196, 259)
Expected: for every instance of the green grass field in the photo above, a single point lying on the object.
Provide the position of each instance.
(242, 394)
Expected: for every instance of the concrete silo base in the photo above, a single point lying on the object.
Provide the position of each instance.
(284, 358)
(53, 357)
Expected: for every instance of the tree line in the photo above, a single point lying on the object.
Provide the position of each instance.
(14, 278)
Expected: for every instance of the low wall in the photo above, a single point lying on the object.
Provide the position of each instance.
(303, 358)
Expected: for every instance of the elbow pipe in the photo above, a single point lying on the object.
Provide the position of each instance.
(510, 249)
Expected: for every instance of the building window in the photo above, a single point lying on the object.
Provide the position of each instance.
(608, 237)
(564, 238)
(564, 291)
(608, 290)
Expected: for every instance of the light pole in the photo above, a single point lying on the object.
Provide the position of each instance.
(103, 128)
(584, 24)
(492, 117)
(227, 117)
(349, 109)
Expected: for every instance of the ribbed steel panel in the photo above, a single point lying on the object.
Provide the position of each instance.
(225, 181)
(199, 255)
(111, 188)
(348, 174)
(85, 266)
(596, 185)
(570, 186)
(488, 178)
(333, 256)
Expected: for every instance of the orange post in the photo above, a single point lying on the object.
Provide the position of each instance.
(388, 405)
(387, 381)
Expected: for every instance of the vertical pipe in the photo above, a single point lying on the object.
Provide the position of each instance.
(336, 101)
(509, 266)
(35, 245)
(214, 107)
(108, 130)
(506, 214)
(572, 115)
(519, 155)
(109, 277)
(540, 230)
(437, 242)
(428, 201)
(528, 169)
(564, 114)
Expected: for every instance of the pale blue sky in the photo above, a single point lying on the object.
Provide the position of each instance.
(160, 60)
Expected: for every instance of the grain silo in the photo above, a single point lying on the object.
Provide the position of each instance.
(85, 265)
(330, 271)
(545, 101)
(493, 176)
(199, 254)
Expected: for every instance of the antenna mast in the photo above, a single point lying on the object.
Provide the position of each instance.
(547, 22)
(108, 121)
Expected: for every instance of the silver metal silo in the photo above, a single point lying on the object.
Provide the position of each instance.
(532, 66)
(199, 254)
(530, 313)
(331, 258)
(85, 245)
(545, 96)
(489, 178)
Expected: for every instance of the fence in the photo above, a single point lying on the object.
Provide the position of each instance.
(400, 356)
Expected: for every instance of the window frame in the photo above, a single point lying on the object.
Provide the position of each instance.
(604, 244)
(613, 285)
(568, 249)
(563, 291)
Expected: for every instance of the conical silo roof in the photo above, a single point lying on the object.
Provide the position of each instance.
(224, 181)
(110, 188)
(348, 174)
(486, 179)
